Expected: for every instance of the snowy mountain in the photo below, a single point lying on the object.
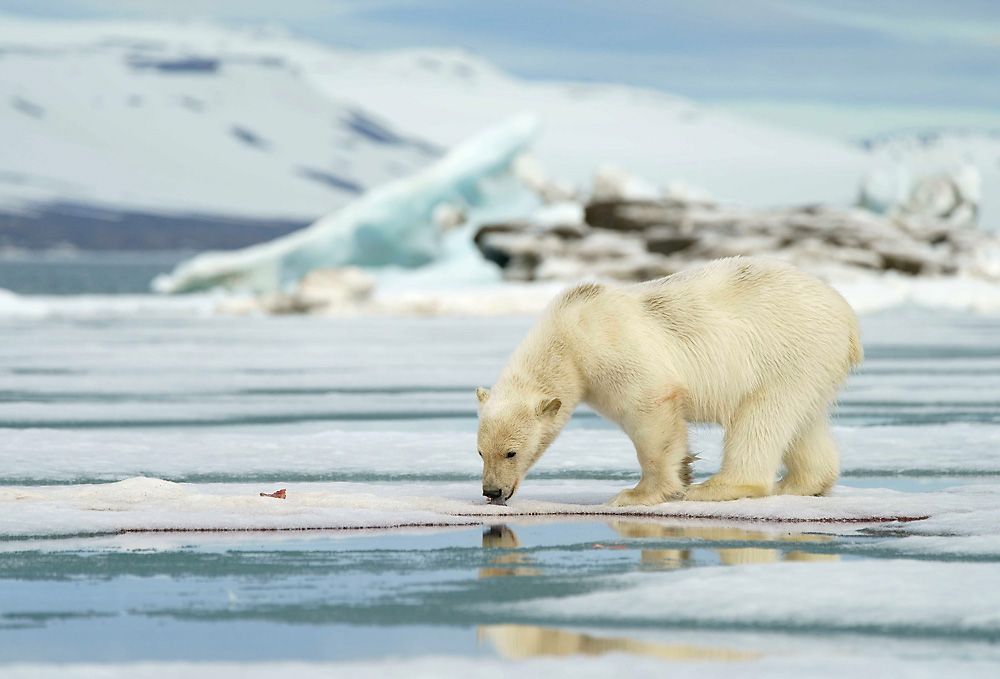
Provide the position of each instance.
(662, 138)
(147, 127)
(191, 129)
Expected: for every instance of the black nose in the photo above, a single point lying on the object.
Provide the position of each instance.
(492, 494)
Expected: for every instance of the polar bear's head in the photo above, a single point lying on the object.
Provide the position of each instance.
(514, 431)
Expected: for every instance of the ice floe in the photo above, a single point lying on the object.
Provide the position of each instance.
(148, 504)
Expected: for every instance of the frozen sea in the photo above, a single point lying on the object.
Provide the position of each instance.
(134, 540)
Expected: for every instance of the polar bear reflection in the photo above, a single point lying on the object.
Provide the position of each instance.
(519, 563)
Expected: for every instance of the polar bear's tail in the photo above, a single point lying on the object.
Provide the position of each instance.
(855, 352)
(687, 471)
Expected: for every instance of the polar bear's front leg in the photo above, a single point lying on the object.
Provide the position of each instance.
(660, 439)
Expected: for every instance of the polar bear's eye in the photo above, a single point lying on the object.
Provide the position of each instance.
(511, 453)
(480, 453)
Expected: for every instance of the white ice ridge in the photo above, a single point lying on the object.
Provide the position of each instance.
(434, 295)
(392, 225)
(37, 456)
(146, 504)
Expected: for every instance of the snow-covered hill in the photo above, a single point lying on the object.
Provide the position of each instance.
(127, 122)
(662, 138)
(169, 120)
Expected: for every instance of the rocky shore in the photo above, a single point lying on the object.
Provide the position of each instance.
(620, 236)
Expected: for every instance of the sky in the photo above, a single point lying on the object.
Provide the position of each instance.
(843, 67)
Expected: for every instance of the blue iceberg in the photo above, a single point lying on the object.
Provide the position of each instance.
(390, 226)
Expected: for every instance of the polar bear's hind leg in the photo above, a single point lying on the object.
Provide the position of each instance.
(812, 462)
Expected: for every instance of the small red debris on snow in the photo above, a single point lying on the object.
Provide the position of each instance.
(598, 545)
(280, 494)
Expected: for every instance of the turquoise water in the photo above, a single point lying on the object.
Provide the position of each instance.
(335, 596)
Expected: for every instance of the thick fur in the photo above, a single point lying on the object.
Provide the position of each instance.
(754, 345)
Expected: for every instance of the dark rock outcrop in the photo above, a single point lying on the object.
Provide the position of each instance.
(641, 239)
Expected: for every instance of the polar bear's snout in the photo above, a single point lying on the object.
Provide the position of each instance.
(499, 496)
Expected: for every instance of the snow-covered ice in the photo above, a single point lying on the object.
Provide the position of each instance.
(141, 503)
(144, 504)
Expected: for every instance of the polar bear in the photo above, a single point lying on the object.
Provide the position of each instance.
(754, 345)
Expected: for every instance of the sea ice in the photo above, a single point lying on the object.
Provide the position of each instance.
(144, 504)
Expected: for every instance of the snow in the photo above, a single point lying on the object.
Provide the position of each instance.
(390, 225)
(659, 137)
(92, 121)
(145, 504)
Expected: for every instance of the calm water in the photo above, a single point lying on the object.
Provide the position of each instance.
(71, 273)
(338, 596)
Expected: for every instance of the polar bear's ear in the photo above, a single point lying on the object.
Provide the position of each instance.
(549, 407)
(482, 393)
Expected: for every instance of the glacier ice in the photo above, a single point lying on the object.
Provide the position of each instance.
(393, 225)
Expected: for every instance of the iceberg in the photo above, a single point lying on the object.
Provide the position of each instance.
(396, 225)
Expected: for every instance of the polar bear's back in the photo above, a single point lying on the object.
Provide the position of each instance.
(784, 313)
(733, 325)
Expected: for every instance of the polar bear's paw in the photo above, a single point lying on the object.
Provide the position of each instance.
(632, 496)
(720, 491)
(793, 487)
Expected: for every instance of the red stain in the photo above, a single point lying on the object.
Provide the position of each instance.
(280, 494)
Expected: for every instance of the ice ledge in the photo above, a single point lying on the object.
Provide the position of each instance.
(155, 505)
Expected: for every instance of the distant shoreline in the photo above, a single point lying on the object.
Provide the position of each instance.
(71, 225)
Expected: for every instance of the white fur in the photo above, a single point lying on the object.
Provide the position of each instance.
(754, 345)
